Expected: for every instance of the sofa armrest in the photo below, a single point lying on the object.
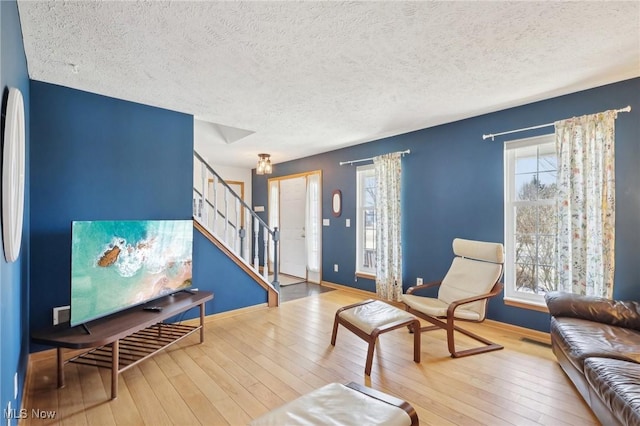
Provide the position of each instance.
(613, 312)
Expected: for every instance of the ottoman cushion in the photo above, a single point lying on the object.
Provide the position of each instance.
(372, 315)
(335, 404)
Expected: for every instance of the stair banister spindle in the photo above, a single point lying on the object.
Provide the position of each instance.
(202, 211)
(238, 246)
(265, 237)
(276, 266)
(226, 216)
(197, 202)
(214, 203)
(256, 233)
(247, 220)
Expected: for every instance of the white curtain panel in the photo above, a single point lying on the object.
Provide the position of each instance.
(388, 171)
(312, 222)
(586, 204)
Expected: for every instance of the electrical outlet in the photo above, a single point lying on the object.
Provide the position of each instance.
(419, 281)
(61, 314)
(335, 267)
(348, 223)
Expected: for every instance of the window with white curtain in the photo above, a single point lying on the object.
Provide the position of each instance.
(530, 219)
(366, 220)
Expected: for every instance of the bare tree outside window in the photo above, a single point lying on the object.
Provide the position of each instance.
(367, 224)
(530, 218)
(535, 248)
(369, 211)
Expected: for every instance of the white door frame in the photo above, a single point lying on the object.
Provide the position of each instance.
(310, 276)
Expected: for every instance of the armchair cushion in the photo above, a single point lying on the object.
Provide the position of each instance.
(467, 278)
(613, 312)
(479, 250)
(437, 308)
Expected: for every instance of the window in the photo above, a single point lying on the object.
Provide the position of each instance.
(366, 221)
(530, 219)
(313, 222)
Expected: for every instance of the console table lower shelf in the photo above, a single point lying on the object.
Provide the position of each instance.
(125, 353)
(125, 339)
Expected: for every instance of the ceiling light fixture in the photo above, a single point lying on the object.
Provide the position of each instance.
(264, 165)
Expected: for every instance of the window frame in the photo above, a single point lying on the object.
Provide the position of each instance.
(362, 172)
(511, 294)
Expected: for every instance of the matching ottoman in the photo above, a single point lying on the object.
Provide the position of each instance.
(337, 404)
(371, 318)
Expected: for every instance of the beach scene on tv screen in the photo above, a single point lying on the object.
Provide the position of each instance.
(118, 264)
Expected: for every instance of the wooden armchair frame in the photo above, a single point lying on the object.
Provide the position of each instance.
(450, 326)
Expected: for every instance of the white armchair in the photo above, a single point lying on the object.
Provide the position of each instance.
(473, 278)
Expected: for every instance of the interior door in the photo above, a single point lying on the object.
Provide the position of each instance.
(293, 250)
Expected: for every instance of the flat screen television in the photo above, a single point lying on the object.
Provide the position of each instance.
(119, 264)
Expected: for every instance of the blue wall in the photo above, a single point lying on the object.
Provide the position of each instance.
(213, 270)
(99, 158)
(14, 278)
(453, 187)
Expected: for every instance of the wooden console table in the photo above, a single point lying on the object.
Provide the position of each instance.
(124, 339)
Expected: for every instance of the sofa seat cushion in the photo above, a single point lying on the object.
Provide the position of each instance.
(617, 384)
(580, 339)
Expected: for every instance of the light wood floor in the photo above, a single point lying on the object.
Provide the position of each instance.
(257, 360)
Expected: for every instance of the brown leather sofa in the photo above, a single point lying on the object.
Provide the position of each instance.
(597, 343)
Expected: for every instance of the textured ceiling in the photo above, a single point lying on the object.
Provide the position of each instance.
(310, 77)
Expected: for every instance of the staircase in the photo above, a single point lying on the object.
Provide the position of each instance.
(222, 216)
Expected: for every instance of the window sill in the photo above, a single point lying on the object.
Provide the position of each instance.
(526, 305)
(366, 276)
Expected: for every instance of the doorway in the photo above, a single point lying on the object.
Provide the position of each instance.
(292, 227)
(295, 208)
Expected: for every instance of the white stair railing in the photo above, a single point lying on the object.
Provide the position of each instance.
(226, 221)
